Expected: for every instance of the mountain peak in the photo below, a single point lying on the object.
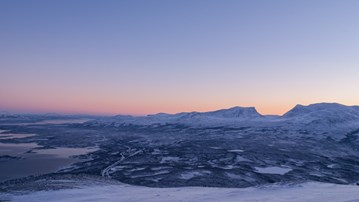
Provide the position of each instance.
(302, 109)
(235, 112)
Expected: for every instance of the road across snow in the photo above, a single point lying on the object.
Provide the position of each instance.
(106, 172)
(109, 193)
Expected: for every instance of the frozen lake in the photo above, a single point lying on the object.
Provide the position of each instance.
(24, 159)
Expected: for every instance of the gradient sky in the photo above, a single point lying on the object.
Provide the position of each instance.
(140, 57)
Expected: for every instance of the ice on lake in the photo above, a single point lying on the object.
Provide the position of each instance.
(273, 170)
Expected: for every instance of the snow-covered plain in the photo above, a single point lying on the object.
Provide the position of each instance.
(277, 193)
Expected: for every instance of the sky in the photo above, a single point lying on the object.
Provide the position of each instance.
(142, 57)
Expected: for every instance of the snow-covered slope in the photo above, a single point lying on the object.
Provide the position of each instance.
(310, 192)
(356, 107)
(4, 114)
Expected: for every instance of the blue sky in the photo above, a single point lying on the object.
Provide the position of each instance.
(140, 57)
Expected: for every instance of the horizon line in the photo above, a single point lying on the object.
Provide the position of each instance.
(33, 112)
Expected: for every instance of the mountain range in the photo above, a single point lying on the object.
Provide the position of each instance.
(315, 117)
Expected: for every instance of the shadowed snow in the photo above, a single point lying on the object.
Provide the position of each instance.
(108, 193)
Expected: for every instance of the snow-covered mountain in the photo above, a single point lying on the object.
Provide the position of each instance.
(235, 112)
(220, 117)
(324, 117)
(321, 118)
(325, 111)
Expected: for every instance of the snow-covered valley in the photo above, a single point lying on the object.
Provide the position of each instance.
(308, 154)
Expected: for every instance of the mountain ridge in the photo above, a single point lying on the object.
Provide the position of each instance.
(299, 107)
(315, 116)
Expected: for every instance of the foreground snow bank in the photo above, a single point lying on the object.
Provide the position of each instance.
(303, 192)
